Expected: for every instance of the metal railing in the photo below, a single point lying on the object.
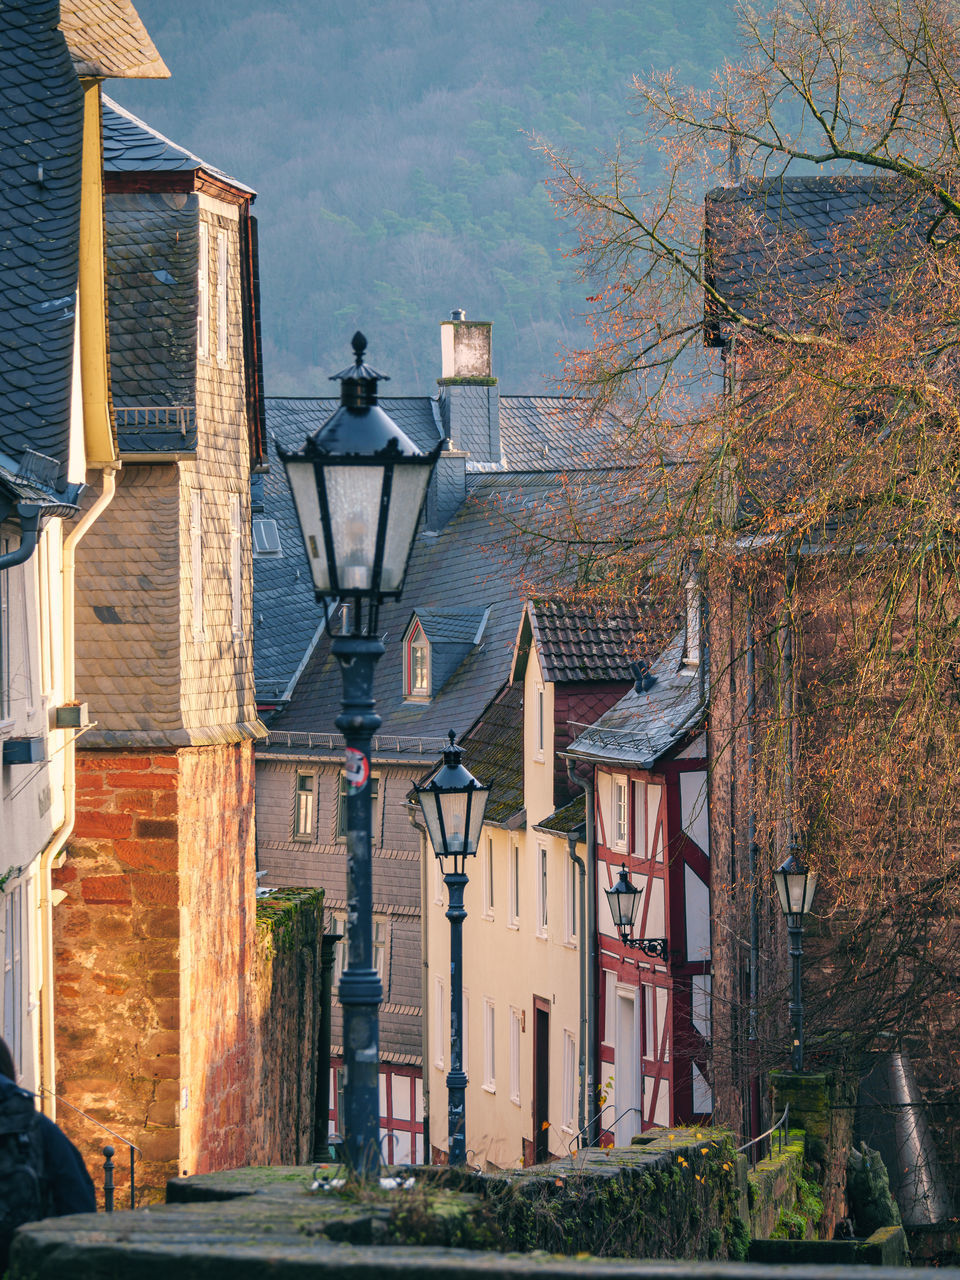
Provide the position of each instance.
(602, 1128)
(108, 1152)
(334, 742)
(781, 1129)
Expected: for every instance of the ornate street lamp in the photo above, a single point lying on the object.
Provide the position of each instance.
(624, 900)
(453, 804)
(359, 485)
(796, 886)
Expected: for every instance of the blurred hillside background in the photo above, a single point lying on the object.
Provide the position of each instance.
(390, 147)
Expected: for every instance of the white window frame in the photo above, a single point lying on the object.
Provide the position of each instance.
(374, 784)
(568, 1091)
(488, 896)
(14, 975)
(223, 266)
(489, 1045)
(5, 713)
(543, 888)
(648, 1015)
(540, 727)
(305, 798)
(441, 1029)
(381, 951)
(639, 790)
(570, 903)
(437, 878)
(515, 1027)
(203, 293)
(513, 889)
(340, 953)
(619, 812)
(236, 567)
(196, 561)
(417, 675)
(46, 617)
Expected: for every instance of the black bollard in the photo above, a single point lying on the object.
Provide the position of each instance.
(108, 1180)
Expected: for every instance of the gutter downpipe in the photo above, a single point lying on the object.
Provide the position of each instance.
(581, 925)
(63, 833)
(588, 979)
(29, 513)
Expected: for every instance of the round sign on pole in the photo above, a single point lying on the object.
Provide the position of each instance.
(357, 770)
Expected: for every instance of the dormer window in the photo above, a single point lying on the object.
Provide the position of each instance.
(416, 673)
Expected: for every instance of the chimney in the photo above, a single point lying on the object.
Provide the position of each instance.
(469, 398)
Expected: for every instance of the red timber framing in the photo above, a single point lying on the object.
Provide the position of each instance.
(401, 1110)
(662, 1043)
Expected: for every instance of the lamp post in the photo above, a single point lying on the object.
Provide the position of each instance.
(359, 485)
(624, 900)
(453, 804)
(796, 886)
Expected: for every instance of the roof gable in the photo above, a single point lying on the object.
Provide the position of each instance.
(107, 38)
(579, 642)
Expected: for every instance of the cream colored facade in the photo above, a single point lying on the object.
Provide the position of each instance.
(520, 954)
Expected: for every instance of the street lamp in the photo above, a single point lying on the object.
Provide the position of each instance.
(624, 900)
(359, 485)
(453, 804)
(796, 886)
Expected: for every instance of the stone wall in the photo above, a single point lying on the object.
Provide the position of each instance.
(286, 1013)
(823, 1106)
(217, 940)
(153, 951)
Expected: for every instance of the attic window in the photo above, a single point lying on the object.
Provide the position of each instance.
(266, 538)
(416, 664)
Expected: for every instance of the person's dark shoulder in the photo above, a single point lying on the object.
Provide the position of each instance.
(71, 1186)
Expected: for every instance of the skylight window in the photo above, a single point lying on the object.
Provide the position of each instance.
(266, 538)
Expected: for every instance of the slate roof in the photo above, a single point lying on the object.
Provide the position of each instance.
(493, 752)
(107, 38)
(41, 137)
(451, 626)
(152, 243)
(130, 145)
(569, 818)
(788, 249)
(285, 614)
(643, 727)
(550, 433)
(460, 566)
(579, 642)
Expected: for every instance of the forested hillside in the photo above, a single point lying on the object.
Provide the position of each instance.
(390, 147)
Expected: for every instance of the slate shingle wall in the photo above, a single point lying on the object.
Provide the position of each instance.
(321, 862)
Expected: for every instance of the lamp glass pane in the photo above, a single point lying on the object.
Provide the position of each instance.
(477, 807)
(454, 806)
(353, 497)
(796, 884)
(406, 498)
(811, 890)
(623, 906)
(431, 816)
(303, 486)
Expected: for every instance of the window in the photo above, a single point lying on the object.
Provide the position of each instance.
(416, 663)
(515, 885)
(222, 296)
(489, 1046)
(568, 1093)
(439, 1026)
(542, 894)
(266, 538)
(340, 951)
(570, 904)
(381, 947)
(46, 616)
(203, 293)
(620, 813)
(515, 1056)
(540, 724)
(342, 808)
(196, 560)
(236, 567)
(437, 880)
(465, 1034)
(488, 880)
(639, 821)
(13, 976)
(649, 1020)
(305, 805)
